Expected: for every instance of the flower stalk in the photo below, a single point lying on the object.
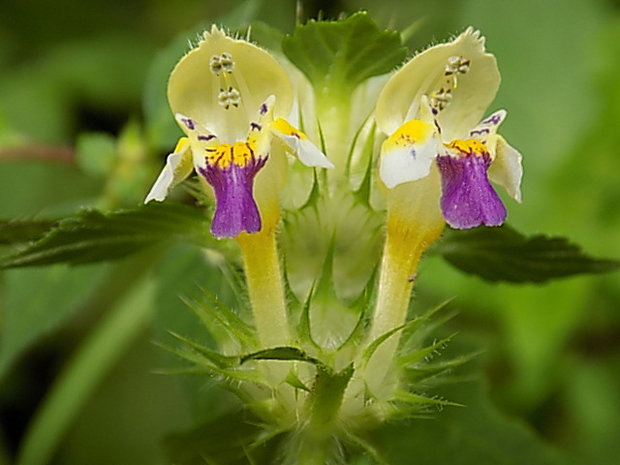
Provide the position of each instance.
(413, 223)
(265, 286)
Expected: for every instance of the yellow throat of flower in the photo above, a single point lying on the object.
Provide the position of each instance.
(468, 147)
(239, 153)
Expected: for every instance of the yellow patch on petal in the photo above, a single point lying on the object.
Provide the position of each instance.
(410, 133)
(182, 143)
(284, 127)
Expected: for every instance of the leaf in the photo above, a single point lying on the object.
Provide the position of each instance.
(340, 55)
(478, 434)
(228, 439)
(503, 254)
(92, 236)
(15, 232)
(36, 302)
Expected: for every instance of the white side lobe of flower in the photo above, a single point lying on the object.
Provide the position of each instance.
(178, 167)
(506, 170)
(308, 153)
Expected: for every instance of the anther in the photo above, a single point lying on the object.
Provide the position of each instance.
(223, 62)
(229, 97)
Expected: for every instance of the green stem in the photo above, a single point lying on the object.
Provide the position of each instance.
(322, 410)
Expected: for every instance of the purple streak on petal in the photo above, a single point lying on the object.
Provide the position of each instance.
(493, 119)
(468, 199)
(189, 123)
(204, 138)
(235, 209)
(479, 132)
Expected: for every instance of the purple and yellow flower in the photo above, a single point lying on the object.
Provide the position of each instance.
(230, 99)
(431, 109)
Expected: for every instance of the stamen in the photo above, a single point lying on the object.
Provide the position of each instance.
(441, 99)
(228, 97)
(227, 62)
(456, 66)
(223, 62)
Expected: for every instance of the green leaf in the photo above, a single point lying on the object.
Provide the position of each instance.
(81, 375)
(503, 254)
(340, 55)
(36, 302)
(478, 434)
(92, 236)
(15, 232)
(226, 439)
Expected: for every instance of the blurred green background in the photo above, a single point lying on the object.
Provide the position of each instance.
(83, 123)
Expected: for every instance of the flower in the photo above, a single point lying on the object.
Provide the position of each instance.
(431, 108)
(230, 97)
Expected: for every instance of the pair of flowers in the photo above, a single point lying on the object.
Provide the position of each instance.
(230, 98)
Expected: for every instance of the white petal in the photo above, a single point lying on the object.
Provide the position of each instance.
(178, 167)
(201, 85)
(426, 73)
(506, 169)
(308, 153)
(407, 155)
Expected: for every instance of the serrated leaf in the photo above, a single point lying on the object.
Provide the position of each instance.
(503, 254)
(340, 55)
(478, 434)
(92, 236)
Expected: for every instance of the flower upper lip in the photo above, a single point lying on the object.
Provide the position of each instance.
(400, 99)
